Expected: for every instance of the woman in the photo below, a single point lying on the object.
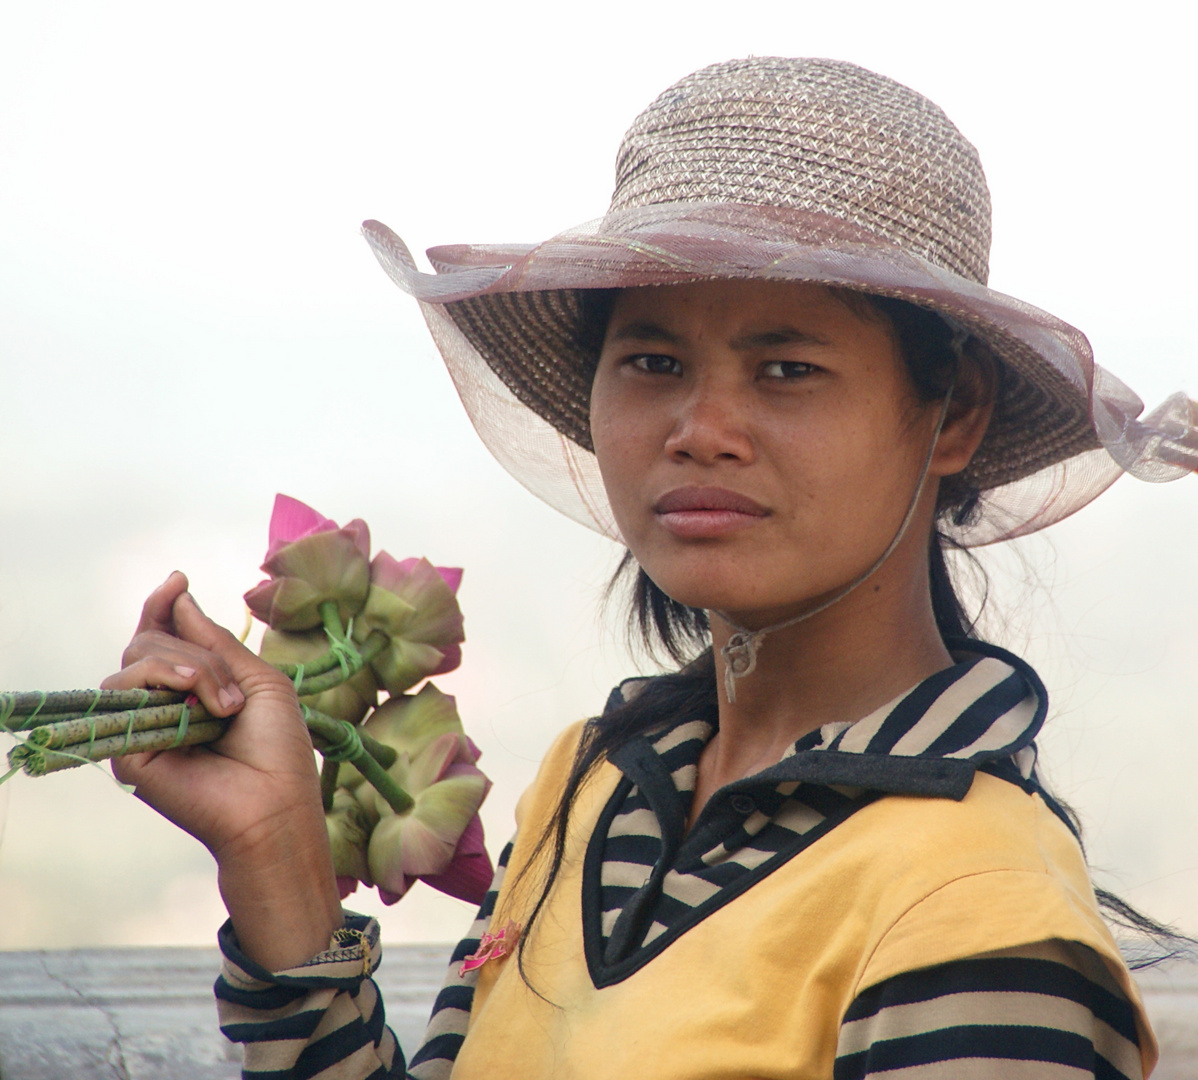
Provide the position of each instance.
(822, 847)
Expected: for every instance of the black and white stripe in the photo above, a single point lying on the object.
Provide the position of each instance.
(1048, 1011)
(451, 1011)
(320, 1021)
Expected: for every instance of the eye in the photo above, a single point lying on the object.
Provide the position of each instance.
(787, 369)
(656, 364)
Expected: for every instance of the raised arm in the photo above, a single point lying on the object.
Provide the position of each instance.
(253, 796)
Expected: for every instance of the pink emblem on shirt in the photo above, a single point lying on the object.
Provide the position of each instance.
(492, 947)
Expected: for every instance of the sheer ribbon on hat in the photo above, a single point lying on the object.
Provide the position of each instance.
(505, 319)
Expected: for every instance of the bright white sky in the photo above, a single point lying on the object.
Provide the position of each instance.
(189, 322)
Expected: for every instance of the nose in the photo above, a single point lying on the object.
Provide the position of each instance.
(711, 425)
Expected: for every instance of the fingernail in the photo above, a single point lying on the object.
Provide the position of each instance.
(230, 699)
(186, 672)
(193, 602)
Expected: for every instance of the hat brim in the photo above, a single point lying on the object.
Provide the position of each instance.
(506, 320)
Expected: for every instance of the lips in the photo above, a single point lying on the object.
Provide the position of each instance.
(706, 513)
(695, 499)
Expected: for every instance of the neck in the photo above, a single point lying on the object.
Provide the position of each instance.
(861, 652)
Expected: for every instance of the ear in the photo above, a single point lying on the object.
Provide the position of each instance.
(969, 414)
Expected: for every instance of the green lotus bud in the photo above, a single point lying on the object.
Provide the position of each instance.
(350, 701)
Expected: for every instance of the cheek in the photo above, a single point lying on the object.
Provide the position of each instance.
(841, 469)
(625, 445)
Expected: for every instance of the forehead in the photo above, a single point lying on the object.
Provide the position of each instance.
(738, 304)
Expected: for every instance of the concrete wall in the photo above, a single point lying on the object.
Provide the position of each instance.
(148, 1014)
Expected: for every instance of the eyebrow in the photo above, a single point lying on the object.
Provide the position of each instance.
(650, 332)
(647, 331)
(781, 335)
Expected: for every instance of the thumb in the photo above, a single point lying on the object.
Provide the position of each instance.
(156, 612)
(192, 625)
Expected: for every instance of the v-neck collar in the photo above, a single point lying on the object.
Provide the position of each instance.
(929, 740)
(646, 880)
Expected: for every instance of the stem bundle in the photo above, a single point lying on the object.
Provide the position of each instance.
(70, 728)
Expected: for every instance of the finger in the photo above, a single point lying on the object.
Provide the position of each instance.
(219, 697)
(193, 625)
(156, 613)
(178, 652)
(131, 768)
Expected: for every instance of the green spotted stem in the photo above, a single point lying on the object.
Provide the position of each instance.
(48, 707)
(103, 725)
(331, 732)
(330, 773)
(370, 648)
(38, 761)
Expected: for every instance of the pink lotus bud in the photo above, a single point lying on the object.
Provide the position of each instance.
(444, 756)
(292, 520)
(414, 604)
(310, 560)
(350, 701)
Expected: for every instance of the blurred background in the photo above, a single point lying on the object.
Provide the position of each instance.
(190, 322)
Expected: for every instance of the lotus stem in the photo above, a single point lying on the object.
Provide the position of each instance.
(371, 647)
(329, 733)
(319, 666)
(98, 726)
(329, 771)
(330, 618)
(47, 708)
(382, 753)
(37, 761)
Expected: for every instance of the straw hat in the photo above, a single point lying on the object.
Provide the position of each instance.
(795, 170)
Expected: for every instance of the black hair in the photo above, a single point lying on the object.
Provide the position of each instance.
(671, 630)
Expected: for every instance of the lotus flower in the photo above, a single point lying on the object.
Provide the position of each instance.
(349, 833)
(425, 842)
(310, 560)
(350, 701)
(410, 722)
(414, 603)
(470, 871)
(440, 838)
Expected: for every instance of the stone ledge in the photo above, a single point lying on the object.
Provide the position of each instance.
(149, 1014)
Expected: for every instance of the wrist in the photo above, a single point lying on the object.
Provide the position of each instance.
(281, 894)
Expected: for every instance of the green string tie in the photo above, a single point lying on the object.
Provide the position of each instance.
(299, 676)
(184, 719)
(28, 722)
(92, 707)
(350, 747)
(347, 655)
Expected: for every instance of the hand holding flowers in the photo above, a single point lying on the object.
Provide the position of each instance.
(341, 628)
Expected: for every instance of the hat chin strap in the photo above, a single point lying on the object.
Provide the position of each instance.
(740, 652)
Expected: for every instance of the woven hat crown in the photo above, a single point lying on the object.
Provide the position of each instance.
(800, 170)
(818, 135)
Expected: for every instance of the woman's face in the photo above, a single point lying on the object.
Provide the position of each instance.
(760, 442)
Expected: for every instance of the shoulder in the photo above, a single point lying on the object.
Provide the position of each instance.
(925, 841)
(551, 775)
(949, 880)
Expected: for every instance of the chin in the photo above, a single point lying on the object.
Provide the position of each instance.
(711, 593)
